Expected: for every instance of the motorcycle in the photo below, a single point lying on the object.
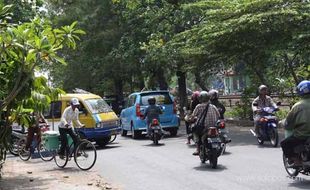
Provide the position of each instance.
(210, 148)
(303, 152)
(155, 131)
(268, 127)
(223, 135)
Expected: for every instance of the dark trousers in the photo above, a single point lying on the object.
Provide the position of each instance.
(289, 144)
(64, 140)
(31, 131)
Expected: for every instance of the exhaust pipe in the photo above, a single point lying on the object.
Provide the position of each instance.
(254, 134)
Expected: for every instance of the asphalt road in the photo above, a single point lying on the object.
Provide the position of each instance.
(137, 164)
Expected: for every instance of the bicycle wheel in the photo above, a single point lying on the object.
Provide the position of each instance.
(46, 155)
(113, 138)
(61, 160)
(22, 152)
(85, 155)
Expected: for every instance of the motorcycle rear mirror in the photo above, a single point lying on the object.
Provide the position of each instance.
(279, 103)
(255, 104)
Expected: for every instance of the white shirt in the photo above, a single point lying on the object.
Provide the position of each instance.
(70, 117)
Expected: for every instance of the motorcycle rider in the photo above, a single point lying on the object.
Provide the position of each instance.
(152, 112)
(210, 119)
(194, 102)
(259, 103)
(214, 98)
(298, 121)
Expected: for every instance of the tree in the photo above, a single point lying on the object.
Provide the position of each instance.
(25, 47)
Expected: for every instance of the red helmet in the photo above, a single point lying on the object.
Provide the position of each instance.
(195, 95)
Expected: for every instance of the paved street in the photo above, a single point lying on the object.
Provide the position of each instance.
(137, 164)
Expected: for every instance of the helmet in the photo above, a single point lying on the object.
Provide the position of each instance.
(214, 94)
(74, 102)
(262, 87)
(152, 100)
(195, 95)
(204, 96)
(303, 87)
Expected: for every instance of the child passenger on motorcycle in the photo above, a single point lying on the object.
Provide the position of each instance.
(152, 112)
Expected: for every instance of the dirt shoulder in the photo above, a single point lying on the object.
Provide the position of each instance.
(36, 175)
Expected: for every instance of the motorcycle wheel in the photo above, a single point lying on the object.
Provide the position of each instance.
(292, 172)
(156, 137)
(260, 141)
(223, 148)
(13, 148)
(274, 139)
(202, 154)
(213, 159)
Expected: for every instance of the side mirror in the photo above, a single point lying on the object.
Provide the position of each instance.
(255, 104)
(279, 103)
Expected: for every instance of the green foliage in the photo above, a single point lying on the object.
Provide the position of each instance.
(27, 44)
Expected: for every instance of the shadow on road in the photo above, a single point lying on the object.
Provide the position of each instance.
(300, 183)
(66, 170)
(207, 167)
(154, 145)
(23, 182)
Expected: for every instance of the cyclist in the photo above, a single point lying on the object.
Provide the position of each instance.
(69, 119)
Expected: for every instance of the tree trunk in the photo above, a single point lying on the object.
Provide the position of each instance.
(161, 79)
(119, 91)
(182, 91)
(199, 81)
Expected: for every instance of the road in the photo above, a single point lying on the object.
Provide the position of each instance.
(137, 164)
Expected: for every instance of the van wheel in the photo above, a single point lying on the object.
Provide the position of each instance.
(173, 132)
(103, 142)
(135, 133)
(124, 132)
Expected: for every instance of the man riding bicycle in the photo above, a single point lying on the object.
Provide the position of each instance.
(69, 119)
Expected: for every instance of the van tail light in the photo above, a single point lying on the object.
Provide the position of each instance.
(212, 131)
(174, 107)
(138, 110)
(155, 122)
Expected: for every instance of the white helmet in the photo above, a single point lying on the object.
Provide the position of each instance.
(74, 102)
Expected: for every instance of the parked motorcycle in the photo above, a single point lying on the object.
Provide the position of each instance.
(268, 127)
(210, 148)
(303, 152)
(223, 134)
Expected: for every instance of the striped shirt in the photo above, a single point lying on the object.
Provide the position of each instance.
(212, 115)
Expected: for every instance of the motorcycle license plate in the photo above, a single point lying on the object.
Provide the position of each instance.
(156, 131)
(215, 145)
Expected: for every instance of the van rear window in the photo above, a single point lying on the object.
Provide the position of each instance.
(161, 98)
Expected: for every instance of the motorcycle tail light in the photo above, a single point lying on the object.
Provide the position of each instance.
(212, 131)
(222, 125)
(155, 122)
(263, 120)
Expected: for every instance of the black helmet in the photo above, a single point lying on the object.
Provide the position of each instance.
(152, 100)
(204, 96)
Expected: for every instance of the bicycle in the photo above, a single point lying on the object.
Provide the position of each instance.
(84, 154)
(36, 144)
